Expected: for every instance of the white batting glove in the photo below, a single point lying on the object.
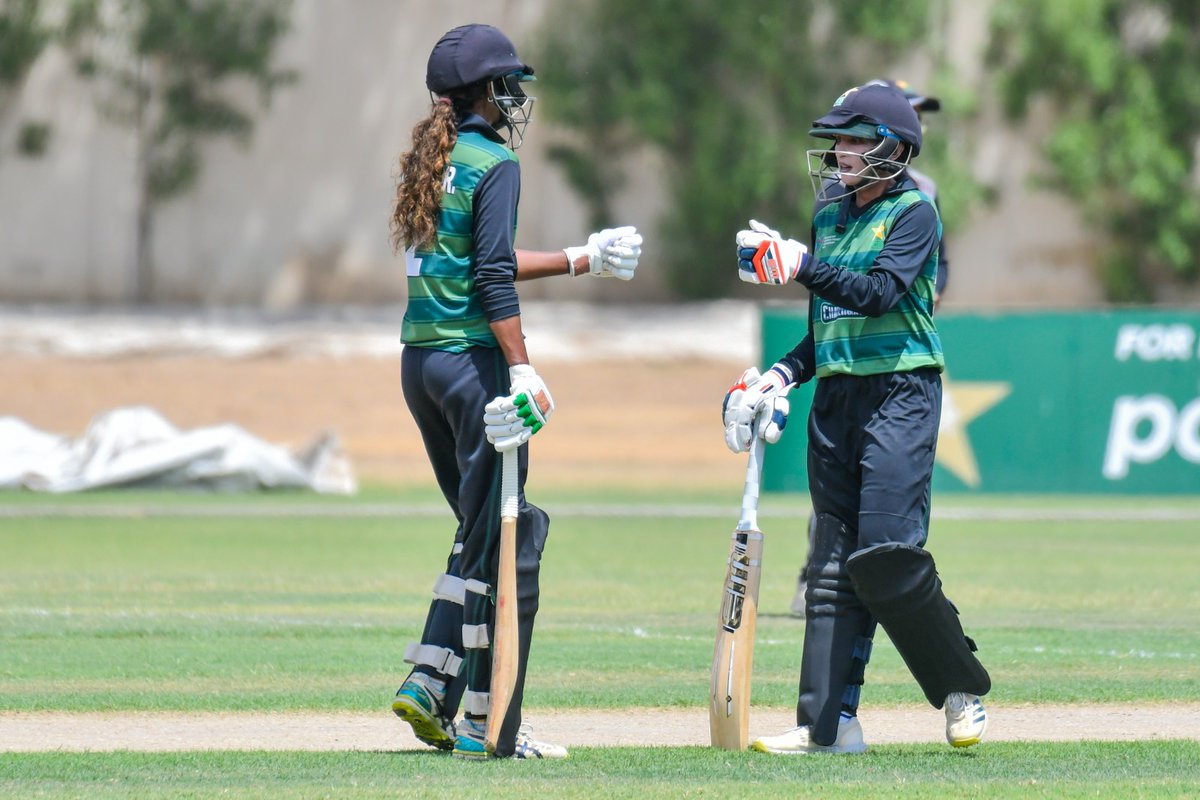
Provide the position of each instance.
(772, 418)
(751, 394)
(735, 398)
(764, 256)
(612, 252)
(510, 421)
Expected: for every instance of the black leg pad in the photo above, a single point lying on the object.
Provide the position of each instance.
(900, 585)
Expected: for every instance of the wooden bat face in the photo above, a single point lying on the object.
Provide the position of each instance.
(733, 657)
(505, 637)
(505, 644)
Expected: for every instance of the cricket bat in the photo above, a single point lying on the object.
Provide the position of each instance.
(733, 659)
(505, 638)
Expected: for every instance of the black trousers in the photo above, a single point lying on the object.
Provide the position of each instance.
(870, 461)
(446, 394)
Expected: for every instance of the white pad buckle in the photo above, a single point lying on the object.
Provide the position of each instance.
(441, 659)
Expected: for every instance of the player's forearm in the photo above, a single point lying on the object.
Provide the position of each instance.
(801, 360)
(511, 339)
(871, 294)
(534, 264)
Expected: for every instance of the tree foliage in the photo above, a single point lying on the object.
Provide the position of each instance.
(22, 39)
(178, 72)
(1121, 75)
(167, 67)
(725, 92)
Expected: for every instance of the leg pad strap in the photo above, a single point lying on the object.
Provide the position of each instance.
(442, 659)
(475, 636)
(448, 587)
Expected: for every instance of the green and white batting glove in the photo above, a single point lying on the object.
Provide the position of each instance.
(750, 408)
(612, 252)
(510, 421)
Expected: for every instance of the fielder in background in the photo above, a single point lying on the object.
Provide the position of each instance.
(921, 104)
(873, 346)
(456, 214)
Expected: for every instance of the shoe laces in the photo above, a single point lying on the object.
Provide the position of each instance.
(958, 702)
(436, 692)
(525, 736)
(477, 727)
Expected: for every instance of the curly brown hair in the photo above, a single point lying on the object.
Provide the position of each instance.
(419, 188)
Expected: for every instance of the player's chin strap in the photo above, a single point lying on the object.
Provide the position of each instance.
(843, 214)
(749, 520)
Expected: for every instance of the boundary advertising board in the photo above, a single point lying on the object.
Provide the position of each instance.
(1063, 402)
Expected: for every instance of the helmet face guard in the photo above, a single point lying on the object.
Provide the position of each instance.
(516, 107)
(879, 164)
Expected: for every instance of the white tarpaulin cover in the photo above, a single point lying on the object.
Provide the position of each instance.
(137, 447)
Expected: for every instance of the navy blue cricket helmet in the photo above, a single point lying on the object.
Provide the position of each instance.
(874, 111)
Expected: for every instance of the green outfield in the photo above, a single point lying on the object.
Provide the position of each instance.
(185, 602)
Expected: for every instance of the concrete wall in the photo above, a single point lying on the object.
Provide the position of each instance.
(300, 216)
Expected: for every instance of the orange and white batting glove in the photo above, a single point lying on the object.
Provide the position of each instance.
(510, 421)
(764, 256)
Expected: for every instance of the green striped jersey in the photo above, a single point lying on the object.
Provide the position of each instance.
(444, 312)
(902, 339)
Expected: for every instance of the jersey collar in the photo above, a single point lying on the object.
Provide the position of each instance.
(474, 123)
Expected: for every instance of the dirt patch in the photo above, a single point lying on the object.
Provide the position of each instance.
(618, 423)
(154, 731)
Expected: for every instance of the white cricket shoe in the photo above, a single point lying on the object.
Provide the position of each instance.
(796, 742)
(528, 747)
(965, 719)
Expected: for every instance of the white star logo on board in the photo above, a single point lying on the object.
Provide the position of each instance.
(962, 403)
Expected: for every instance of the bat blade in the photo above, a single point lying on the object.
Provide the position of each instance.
(733, 657)
(505, 636)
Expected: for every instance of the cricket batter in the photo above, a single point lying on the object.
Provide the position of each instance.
(921, 104)
(456, 216)
(873, 346)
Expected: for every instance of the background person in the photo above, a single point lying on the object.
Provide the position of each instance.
(456, 213)
(873, 426)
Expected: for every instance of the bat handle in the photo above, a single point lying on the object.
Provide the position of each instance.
(508, 484)
(754, 466)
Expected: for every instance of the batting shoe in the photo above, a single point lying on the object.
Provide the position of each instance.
(528, 747)
(418, 705)
(469, 743)
(796, 741)
(965, 719)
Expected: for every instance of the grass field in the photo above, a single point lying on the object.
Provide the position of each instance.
(189, 603)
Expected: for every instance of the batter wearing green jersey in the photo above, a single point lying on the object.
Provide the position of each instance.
(874, 349)
(467, 377)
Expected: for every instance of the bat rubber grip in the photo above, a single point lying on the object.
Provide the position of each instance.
(508, 485)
